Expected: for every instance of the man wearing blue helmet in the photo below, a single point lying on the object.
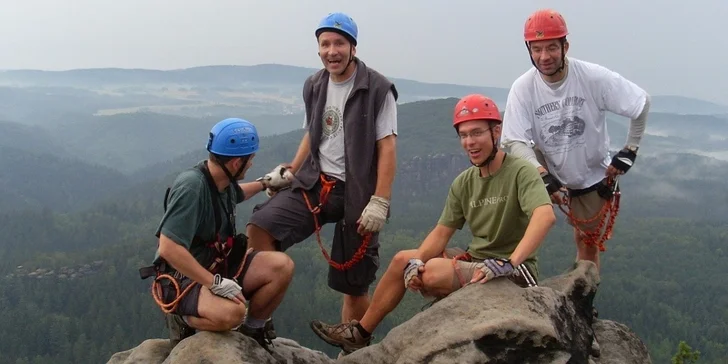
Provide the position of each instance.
(202, 263)
(344, 167)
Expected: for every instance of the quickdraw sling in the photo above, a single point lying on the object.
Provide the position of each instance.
(326, 187)
(608, 214)
(163, 270)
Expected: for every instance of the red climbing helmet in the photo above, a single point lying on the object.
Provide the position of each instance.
(545, 24)
(475, 107)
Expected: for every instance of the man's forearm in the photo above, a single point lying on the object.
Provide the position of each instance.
(181, 259)
(542, 220)
(250, 189)
(303, 149)
(435, 243)
(386, 166)
(637, 126)
(523, 151)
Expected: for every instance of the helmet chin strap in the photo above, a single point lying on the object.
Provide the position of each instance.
(351, 60)
(490, 157)
(233, 178)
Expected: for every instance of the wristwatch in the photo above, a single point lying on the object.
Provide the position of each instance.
(632, 148)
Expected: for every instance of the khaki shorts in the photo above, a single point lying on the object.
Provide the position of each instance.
(522, 277)
(585, 207)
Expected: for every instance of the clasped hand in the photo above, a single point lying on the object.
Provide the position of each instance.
(277, 179)
(227, 288)
(412, 272)
(490, 269)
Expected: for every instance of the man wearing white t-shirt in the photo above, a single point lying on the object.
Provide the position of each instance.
(344, 167)
(558, 107)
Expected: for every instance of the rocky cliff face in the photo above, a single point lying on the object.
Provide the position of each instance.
(497, 322)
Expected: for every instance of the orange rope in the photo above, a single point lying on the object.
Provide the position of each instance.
(608, 214)
(326, 187)
(172, 306)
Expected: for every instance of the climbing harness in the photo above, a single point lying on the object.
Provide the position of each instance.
(162, 270)
(608, 213)
(172, 306)
(326, 187)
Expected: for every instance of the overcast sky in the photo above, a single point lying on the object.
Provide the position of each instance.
(666, 46)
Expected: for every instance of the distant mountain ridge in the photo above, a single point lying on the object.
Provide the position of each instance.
(272, 74)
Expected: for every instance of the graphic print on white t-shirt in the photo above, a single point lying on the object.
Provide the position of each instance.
(561, 125)
(332, 122)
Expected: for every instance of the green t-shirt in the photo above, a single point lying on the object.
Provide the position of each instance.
(190, 214)
(497, 208)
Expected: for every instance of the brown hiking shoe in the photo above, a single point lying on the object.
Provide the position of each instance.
(178, 328)
(345, 335)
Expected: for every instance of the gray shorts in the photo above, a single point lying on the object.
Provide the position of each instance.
(188, 305)
(287, 218)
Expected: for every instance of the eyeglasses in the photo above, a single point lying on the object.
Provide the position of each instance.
(477, 133)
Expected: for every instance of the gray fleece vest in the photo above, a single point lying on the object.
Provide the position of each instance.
(360, 112)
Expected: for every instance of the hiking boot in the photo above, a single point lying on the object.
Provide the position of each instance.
(345, 335)
(178, 328)
(270, 331)
(260, 335)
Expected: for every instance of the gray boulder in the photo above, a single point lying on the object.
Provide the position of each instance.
(496, 322)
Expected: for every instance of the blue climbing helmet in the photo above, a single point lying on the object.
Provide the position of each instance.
(340, 23)
(233, 137)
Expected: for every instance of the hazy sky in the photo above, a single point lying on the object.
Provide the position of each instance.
(666, 46)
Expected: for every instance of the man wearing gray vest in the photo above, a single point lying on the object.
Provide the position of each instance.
(344, 167)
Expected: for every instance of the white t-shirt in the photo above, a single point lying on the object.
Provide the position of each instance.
(568, 123)
(331, 149)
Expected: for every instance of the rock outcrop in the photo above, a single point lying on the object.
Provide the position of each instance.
(497, 322)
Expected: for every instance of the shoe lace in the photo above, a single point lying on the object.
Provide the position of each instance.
(343, 329)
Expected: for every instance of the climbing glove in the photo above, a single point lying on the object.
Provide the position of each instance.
(624, 160)
(411, 270)
(552, 184)
(495, 267)
(278, 178)
(374, 215)
(225, 287)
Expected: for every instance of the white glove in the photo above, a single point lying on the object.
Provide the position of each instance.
(374, 215)
(278, 178)
(411, 270)
(224, 287)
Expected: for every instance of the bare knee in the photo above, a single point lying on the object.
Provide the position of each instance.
(278, 265)
(430, 275)
(282, 265)
(438, 277)
(234, 317)
(401, 259)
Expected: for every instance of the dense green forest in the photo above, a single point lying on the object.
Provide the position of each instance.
(70, 290)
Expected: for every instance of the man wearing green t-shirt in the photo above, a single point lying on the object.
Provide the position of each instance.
(200, 250)
(504, 202)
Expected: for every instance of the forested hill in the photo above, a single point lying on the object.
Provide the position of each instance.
(70, 290)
